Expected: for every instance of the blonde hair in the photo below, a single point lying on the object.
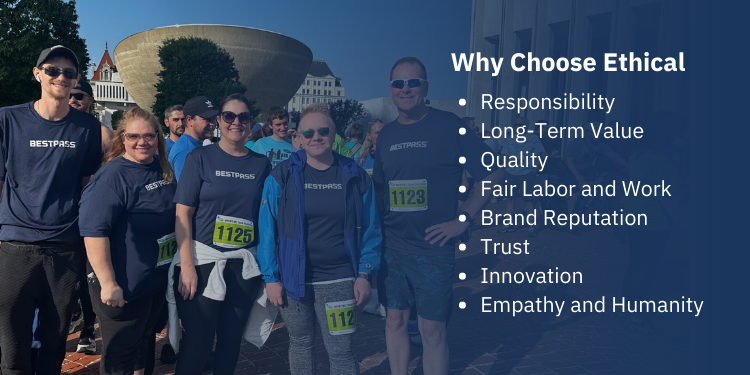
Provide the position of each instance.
(367, 145)
(321, 108)
(118, 145)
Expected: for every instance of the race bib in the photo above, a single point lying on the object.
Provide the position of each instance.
(233, 232)
(369, 171)
(167, 249)
(408, 195)
(342, 317)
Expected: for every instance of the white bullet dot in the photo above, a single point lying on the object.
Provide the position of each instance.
(462, 189)
(462, 102)
(462, 305)
(462, 247)
(462, 276)
(462, 131)
(462, 160)
(462, 218)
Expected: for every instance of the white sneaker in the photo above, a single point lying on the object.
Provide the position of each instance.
(374, 307)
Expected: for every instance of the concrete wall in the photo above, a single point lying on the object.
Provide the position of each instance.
(272, 66)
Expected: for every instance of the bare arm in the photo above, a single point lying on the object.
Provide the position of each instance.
(184, 233)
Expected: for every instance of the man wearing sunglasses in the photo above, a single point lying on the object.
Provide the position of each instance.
(276, 147)
(48, 152)
(81, 98)
(200, 122)
(417, 173)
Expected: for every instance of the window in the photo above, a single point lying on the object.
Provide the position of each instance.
(293, 99)
(308, 82)
(338, 93)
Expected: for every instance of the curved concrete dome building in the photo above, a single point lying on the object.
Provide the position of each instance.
(272, 66)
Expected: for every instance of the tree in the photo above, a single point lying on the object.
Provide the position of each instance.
(26, 28)
(116, 117)
(345, 112)
(294, 116)
(194, 66)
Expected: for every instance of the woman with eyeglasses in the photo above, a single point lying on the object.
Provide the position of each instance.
(216, 277)
(320, 244)
(127, 221)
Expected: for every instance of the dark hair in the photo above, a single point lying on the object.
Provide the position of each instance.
(409, 60)
(355, 131)
(239, 98)
(276, 113)
(170, 109)
(266, 129)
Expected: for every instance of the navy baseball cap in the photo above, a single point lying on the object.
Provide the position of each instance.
(199, 106)
(56, 51)
(85, 87)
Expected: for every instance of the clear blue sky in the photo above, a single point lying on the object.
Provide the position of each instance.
(359, 39)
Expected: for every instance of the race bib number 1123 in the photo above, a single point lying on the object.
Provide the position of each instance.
(408, 195)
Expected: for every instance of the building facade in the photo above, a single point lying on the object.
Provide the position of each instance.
(577, 28)
(109, 91)
(320, 85)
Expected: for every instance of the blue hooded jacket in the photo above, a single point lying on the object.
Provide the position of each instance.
(282, 247)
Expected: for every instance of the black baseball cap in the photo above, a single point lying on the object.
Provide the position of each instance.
(85, 87)
(199, 106)
(56, 51)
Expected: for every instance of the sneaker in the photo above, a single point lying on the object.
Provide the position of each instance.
(416, 340)
(76, 321)
(167, 356)
(378, 310)
(506, 229)
(87, 341)
(531, 232)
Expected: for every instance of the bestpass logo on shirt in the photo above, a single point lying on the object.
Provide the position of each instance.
(50, 143)
(323, 186)
(156, 185)
(242, 176)
(400, 146)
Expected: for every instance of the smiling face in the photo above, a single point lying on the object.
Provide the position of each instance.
(408, 98)
(140, 150)
(58, 87)
(280, 128)
(82, 105)
(317, 145)
(235, 131)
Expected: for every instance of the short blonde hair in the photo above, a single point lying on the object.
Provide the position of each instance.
(321, 108)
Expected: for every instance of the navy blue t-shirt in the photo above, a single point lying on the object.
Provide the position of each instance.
(43, 165)
(226, 192)
(132, 204)
(418, 167)
(324, 225)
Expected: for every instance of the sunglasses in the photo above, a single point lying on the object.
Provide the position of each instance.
(54, 72)
(78, 96)
(412, 82)
(309, 133)
(148, 137)
(229, 117)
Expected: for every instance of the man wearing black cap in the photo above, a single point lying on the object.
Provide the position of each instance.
(200, 118)
(47, 152)
(81, 98)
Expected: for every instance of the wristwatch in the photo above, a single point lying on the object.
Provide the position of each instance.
(468, 217)
(364, 275)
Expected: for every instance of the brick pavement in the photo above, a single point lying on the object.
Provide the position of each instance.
(487, 343)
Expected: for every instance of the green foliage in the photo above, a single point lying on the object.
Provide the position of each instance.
(345, 112)
(294, 116)
(26, 28)
(116, 117)
(195, 66)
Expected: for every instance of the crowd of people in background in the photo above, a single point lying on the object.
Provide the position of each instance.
(212, 240)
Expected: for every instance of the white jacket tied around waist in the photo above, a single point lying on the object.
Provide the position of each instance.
(262, 314)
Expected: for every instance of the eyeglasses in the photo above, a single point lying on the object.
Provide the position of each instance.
(413, 82)
(229, 117)
(78, 96)
(148, 137)
(309, 133)
(54, 72)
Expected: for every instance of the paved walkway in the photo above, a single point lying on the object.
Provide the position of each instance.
(496, 343)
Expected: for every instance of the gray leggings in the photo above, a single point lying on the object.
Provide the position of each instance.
(300, 322)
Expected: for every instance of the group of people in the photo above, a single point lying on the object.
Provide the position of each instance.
(219, 238)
